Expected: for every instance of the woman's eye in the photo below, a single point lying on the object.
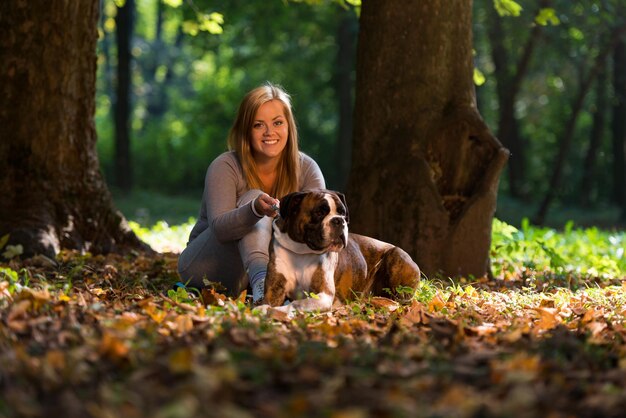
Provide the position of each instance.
(278, 123)
(257, 125)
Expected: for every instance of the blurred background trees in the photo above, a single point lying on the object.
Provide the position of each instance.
(550, 84)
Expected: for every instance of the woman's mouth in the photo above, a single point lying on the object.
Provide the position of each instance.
(270, 141)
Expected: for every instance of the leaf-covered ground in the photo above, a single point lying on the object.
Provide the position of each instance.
(105, 337)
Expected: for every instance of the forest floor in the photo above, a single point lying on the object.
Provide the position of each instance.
(105, 336)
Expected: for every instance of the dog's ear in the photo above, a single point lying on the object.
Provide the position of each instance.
(342, 197)
(290, 203)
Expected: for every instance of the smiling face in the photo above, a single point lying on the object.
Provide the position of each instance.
(270, 132)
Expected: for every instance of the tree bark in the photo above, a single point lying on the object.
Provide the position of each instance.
(346, 56)
(124, 23)
(595, 140)
(53, 195)
(425, 166)
(618, 126)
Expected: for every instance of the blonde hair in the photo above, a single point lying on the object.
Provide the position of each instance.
(240, 135)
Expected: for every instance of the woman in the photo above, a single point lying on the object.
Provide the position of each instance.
(229, 243)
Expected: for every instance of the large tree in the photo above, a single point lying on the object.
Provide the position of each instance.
(510, 72)
(425, 167)
(124, 25)
(618, 126)
(53, 195)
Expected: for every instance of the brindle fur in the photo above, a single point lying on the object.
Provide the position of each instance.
(365, 266)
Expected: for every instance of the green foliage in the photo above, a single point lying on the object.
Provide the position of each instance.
(173, 3)
(187, 88)
(547, 16)
(479, 77)
(507, 7)
(3, 240)
(211, 23)
(16, 280)
(10, 251)
(163, 237)
(576, 252)
(180, 295)
(148, 208)
(561, 58)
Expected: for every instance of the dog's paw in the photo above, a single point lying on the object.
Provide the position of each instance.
(282, 313)
(261, 309)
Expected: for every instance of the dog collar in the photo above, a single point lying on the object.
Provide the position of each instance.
(295, 247)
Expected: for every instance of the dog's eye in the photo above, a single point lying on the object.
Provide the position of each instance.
(320, 212)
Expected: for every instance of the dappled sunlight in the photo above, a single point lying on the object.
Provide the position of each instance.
(163, 237)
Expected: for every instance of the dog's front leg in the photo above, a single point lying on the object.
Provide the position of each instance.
(321, 293)
(275, 288)
(318, 302)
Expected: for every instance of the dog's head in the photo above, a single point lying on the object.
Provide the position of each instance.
(317, 218)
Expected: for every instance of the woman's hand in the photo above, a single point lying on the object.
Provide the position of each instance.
(266, 205)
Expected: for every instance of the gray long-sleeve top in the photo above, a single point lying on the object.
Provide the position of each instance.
(223, 186)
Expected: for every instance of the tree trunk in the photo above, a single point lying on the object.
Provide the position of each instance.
(425, 167)
(508, 88)
(595, 140)
(53, 195)
(124, 22)
(154, 59)
(106, 51)
(346, 40)
(568, 133)
(157, 101)
(618, 126)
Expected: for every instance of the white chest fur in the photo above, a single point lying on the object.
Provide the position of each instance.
(299, 264)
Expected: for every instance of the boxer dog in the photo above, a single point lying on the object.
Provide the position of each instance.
(313, 259)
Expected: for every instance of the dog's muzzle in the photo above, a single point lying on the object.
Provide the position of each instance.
(338, 234)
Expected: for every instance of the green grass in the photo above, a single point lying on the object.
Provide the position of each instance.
(573, 255)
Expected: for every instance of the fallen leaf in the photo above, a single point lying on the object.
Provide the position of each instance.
(414, 315)
(436, 304)
(113, 347)
(382, 302)
(211, 297)
(548, 318)
(16, 319)
(485, 329)
(519, 368)
(181, 360)
(591, 315)
(280, 314)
